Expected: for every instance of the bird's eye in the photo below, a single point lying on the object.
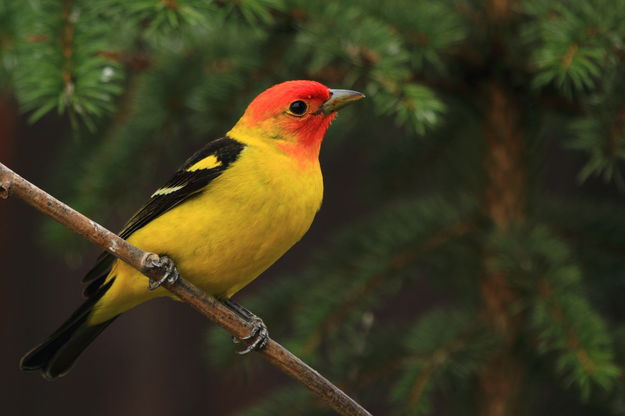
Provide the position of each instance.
(298, 108)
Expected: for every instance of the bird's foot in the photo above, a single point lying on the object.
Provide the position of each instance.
(171, 272)
(258, 333)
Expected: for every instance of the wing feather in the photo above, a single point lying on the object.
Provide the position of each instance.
(189, 180)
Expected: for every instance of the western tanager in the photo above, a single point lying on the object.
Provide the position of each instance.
(226, 215)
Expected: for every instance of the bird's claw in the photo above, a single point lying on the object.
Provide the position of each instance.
(260, 334)
(171, 272)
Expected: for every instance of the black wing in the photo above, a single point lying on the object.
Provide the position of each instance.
(183, 185)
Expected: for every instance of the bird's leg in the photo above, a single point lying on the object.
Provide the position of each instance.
(259, 329)
(171, 272)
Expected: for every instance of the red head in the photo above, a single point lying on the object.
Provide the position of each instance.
(296, 114)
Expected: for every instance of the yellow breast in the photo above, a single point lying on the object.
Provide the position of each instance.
(234, 230)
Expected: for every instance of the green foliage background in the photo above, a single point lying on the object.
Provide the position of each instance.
(467, 100)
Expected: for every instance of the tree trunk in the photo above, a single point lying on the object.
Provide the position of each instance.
(504, 203)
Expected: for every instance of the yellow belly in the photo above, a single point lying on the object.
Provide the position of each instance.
(224, 238)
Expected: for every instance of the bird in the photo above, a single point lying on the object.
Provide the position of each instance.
(228, 213)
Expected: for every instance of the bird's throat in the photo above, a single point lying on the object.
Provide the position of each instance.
(300, 140)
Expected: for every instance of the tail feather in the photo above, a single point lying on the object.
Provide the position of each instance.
(55, 356)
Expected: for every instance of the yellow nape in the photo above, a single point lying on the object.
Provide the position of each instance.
(221, 240)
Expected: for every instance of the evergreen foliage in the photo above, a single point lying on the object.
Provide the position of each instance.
(467, 102)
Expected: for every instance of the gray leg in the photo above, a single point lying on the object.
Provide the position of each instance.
(259, 329)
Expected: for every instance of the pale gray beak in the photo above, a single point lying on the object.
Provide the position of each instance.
(339, 99)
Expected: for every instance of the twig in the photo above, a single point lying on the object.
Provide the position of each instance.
(13, 184)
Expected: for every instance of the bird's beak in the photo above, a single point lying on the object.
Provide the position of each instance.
(339, 99)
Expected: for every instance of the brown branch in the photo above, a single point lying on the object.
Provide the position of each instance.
(11, 183)
(568, 57)
(67, 47)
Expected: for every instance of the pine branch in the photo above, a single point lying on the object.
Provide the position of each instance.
(146, 263)
(67, 47)
(397, 263)
(561, 318)
(568, 326)
(600, 135)
(572, 339)
(444, 345)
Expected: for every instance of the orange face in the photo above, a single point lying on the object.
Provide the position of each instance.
(292, 109)
(296, 114)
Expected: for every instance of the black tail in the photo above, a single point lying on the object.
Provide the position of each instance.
(55, 356)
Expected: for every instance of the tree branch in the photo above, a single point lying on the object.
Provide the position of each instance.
(11, 183)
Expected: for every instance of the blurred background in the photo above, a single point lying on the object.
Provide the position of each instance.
(469, 257)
